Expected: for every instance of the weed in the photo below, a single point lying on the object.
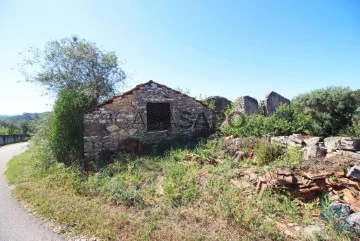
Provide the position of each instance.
(266, 152)
(179, 184)
(161, 197)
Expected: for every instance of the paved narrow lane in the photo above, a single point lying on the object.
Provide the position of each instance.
(15, 223)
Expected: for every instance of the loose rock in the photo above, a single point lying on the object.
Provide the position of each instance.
(342, 143)
(353, 223)
(313, 151)
(354, 173)
(338, 211)
(313, 141)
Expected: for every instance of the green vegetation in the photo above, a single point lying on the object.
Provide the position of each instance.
(17, 128)
(331, 109)
(184, 193)
(210, 103)
(323, 112)
(25, 117)
(66, 129)
(73, 64)
(24, 124)
(81, 75)
(286, 120)
(180, 195)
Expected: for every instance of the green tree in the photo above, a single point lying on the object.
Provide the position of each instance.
(24, 127)
(12, 128)
(357, 97)
(73, 64)
(65, 130)
(288, 119)
(331, 109)
(80, 74)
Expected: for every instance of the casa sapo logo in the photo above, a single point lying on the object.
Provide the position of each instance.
(155, 120)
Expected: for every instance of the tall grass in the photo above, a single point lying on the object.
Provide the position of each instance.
(160, 197)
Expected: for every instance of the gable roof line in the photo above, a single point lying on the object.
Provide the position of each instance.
(109, 101)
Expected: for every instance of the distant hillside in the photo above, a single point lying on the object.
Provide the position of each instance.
(23, 117)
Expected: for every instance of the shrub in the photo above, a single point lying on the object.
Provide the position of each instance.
(65, 130)
(124, 193)
(266, 152)
(286, 120)
(40, 143)
(331, 109)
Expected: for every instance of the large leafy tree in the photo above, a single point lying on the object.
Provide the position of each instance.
(74, 64)
(80, 74)
(332, 109)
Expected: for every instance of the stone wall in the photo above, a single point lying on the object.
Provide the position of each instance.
(220, 103)
(246, 105)
(10, 139)
(120, 124)
(272, 101)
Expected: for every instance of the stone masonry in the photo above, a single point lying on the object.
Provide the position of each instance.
(272, 101)
(146, 115)
(246, 105)
(220, 103)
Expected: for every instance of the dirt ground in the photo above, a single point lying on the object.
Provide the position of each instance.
(331, 164)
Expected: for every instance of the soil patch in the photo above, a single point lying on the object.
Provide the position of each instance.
(332, 164)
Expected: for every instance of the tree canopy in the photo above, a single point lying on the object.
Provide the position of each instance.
(80, 74)
(332, 109)
(74, 64)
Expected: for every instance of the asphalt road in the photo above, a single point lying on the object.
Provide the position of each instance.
(16, 224)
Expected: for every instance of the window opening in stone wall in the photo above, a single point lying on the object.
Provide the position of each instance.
(158, 116)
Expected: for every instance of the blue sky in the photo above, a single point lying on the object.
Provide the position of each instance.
(227, 48)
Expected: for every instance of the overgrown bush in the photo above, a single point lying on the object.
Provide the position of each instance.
(354, 129)
(286, 120)
(266, 152)
(332, 109)
(40, 143)
(65, 130)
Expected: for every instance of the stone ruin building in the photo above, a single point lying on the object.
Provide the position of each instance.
(249, 106)
(144, 116)
(246, 105)
(220, 103)
(272, 101)
(152, 113)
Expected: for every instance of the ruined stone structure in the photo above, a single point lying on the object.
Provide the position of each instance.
(10, 139)
(144, 116)
(246, 105)
(272, 101)
(220, 103)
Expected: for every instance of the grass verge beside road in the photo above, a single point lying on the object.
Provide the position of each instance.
(177, 196)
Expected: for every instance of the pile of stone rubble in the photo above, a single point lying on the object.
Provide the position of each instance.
(315, 147)
(340, 186)
(330, 165)
(342, 183)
